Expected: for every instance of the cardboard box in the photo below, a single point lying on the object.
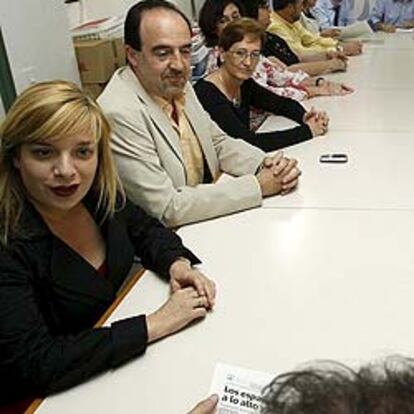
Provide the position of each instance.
(98, 59)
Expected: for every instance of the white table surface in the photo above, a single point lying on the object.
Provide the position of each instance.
(376, 69)
(326, 274)
(379, 173)
(369, 110)
(293, 285)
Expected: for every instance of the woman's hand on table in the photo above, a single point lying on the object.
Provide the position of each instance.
(184, 275)
(183, 306)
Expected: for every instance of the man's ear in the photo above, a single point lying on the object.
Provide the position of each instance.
(131, 55)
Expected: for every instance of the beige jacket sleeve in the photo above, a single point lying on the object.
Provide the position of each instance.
(151, 167)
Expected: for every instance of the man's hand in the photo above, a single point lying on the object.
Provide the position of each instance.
(207, 406)
(183, 275)
(279, 174)
(331, 32)
(336, 54)
(385, 27)
(352, 48)
(408, 24)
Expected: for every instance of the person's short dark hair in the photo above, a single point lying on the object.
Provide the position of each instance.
(236, 31)
(251, 7)
(281, 4)
(210, 14)
(133, 19)
(333, 388)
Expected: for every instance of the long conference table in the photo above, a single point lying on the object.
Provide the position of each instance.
(326, 272)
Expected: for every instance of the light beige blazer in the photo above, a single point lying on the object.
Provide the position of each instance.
(150, 162)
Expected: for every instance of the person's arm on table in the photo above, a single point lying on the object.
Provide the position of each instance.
(43, 362)
(290, 109)
(162, 251)
(377, 16)
(149, 185)
(220, 109)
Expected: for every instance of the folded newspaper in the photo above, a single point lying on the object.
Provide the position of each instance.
(239, 389)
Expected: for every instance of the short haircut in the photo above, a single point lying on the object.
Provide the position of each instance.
(210, 14)
(281, 4)
(133, 19)
(332, 388)
(237, 30)
(251, 7)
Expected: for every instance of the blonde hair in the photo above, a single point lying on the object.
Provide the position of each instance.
(52, 110)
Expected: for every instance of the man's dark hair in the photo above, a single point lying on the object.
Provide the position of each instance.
(332, 388)
(281, 4)
(210, 14)
(134, 17)
(251, 7)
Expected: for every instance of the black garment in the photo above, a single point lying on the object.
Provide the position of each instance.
(336, 15)
(278, 47)
(50, 298)
(234, 120)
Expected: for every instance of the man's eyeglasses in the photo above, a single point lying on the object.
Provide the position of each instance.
(240, 55)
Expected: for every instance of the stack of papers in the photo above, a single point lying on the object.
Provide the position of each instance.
(110, 27)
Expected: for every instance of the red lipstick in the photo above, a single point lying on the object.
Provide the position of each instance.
(65, 190)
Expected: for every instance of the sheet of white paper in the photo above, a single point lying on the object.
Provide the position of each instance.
(239, 389)
(355, 30)
(402, 30)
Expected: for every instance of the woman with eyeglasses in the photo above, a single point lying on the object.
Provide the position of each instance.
(68, 238)
(229, 93)
(271, 72)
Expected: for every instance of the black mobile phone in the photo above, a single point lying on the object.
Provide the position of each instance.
(334, 158)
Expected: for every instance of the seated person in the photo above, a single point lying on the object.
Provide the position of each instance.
(332, 13)
(333, 388)
(270, 72)
(229, 93)
(310, 22)
(68, 238)
(387, 15)
(285, 22)
(168, 150)
(274, 45)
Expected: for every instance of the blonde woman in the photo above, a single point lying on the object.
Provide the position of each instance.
(68, 239)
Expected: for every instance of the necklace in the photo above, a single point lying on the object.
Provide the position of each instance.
(234, 99)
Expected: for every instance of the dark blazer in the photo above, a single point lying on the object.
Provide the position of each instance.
(50, 298)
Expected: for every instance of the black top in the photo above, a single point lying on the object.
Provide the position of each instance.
(278, 47)
(234, 120)
(50, 298)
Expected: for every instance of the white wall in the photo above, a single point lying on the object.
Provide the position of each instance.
(37, 41)
(95, 9)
